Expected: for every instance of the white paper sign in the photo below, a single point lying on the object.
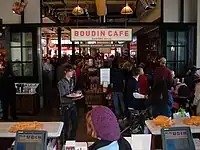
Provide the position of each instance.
(105, 76)
(101, 34)
(141, 141)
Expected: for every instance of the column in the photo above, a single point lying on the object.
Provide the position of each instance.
(39, 60)
(59, 42)
(73, 52)
(198, 35)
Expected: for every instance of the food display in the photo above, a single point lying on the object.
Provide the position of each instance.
(194, 120)
(163, 121)
(25, 126)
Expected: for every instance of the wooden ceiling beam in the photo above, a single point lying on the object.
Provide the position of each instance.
(71, 2)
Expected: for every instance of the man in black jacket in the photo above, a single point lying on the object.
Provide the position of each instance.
(8, 94)
(68, 107)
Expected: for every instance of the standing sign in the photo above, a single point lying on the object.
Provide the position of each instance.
(101, 34)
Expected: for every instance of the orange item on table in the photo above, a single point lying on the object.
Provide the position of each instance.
(163, 121)
(194, 120)
(25, 126)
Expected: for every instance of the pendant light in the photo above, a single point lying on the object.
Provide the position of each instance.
(77, 11)
(127, 10)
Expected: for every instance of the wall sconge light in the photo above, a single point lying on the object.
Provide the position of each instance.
(77, 11)
(127, 10)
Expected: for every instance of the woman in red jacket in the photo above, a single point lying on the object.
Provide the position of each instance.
(143, 82)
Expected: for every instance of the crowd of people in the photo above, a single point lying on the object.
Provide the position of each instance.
(132, 86)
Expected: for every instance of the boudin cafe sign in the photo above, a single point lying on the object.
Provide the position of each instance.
(101, 34)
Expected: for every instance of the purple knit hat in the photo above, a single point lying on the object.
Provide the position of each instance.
(105, 123)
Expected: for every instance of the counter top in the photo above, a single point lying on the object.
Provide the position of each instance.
(54, 129)
(156, 130)
(26, 93)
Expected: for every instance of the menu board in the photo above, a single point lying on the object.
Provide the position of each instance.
(31, 140)
(105, 76)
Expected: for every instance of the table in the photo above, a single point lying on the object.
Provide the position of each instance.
(54, 129)
(84, 145)
(156, 131)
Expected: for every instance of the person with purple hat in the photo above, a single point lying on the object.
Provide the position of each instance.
(102, 125)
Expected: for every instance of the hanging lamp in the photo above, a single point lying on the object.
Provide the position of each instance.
(77, 11)
(127, 10)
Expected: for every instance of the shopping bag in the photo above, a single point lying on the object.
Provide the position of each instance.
(181, 114)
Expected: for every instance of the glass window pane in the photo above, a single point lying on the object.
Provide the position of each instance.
(182, 38)
(28, 69)
(16, 54)
(27, 39)
(27, 54)
(170, 38)
(17, 69)
(181, 54)
(171, 53)
(180, 68)
(15, 39)
(171, 65)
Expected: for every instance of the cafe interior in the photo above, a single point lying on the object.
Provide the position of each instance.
(92, 39)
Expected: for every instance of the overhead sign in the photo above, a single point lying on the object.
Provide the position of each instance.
(101, 34)
(101, 45)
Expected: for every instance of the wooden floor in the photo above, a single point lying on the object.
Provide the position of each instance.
(49, 114)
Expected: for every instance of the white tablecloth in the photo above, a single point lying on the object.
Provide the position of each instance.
(54, 129)
(156, 130)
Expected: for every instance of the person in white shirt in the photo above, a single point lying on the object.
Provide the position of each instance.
(133, 98)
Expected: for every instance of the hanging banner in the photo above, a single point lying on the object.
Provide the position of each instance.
(101, 34)
(101, 45)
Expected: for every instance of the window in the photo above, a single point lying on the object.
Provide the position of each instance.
(21, 54)
(176, 51)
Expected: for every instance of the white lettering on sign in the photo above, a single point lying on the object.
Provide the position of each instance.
(101, 34)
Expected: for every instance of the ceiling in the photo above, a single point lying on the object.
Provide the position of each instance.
(61, 10)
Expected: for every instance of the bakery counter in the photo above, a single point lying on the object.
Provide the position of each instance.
(54, 129)
(156, 132)
(27, 103)
(136, 141)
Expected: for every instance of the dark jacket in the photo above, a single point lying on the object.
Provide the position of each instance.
(7, 88)
(107, 145)
(117, 80)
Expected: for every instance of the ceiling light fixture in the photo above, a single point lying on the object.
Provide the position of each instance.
(77, 11)
(127, 10)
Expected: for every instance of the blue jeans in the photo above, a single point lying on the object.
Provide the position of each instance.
(118, 101)
(164, 109)
(70, 114)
